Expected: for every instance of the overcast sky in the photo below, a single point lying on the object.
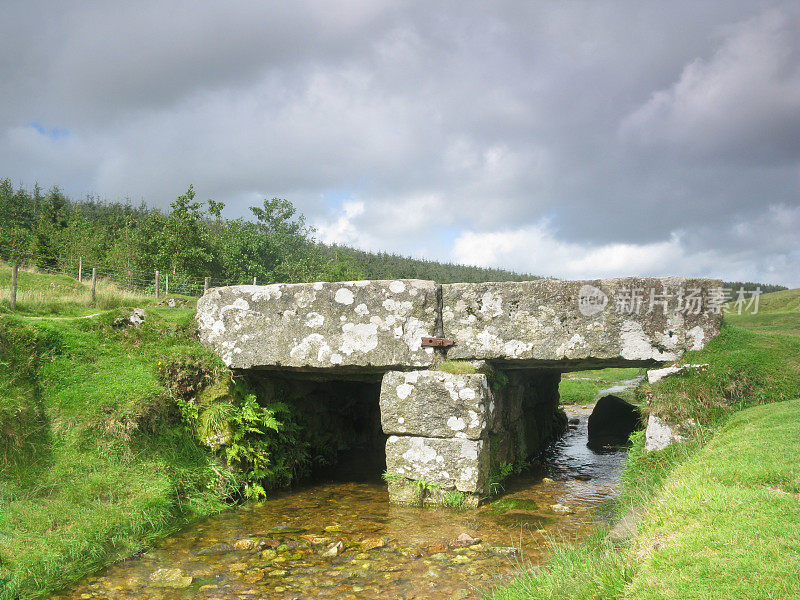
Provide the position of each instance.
(572, 139)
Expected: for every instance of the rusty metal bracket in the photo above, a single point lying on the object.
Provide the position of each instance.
(437, 342)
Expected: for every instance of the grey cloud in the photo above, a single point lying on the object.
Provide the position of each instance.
(615, 122)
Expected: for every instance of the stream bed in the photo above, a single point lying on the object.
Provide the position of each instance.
(341, 539)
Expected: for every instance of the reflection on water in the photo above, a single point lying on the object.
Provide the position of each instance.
(288, 546)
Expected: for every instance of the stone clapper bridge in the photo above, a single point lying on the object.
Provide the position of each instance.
(383, 341)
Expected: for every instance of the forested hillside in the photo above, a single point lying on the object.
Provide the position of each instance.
(193, 240)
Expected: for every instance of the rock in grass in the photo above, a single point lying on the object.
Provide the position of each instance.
(660, 434)
(134, 318)
(170, 578)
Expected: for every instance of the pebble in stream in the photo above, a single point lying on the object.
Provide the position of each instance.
(344, 541)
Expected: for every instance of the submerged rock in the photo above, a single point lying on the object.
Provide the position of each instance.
(334, 549)
(218, 548)
(170, 578)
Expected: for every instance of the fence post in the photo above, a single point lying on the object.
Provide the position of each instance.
(94, 284)
(205, 285)
(14, 270)
(166, 284)
(254, 281)
(80, 268)
(156, 284)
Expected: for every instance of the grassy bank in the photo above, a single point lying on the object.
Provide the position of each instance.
(112, 437)
(719, 512)
(95, 463)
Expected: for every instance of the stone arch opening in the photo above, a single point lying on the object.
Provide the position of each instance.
(336, 418)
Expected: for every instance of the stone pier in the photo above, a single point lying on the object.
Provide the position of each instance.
(452, 431)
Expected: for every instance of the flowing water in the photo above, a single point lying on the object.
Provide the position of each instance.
(288, 547)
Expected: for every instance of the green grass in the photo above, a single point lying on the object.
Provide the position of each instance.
(722, 518)
(582, 387)
(727, 523)
(44, 295)
(94, 461)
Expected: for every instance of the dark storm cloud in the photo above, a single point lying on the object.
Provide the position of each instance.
(664, 132)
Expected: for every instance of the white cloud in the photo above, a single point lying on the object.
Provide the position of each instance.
(537, 249)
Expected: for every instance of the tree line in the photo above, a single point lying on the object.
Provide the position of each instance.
(194, 240)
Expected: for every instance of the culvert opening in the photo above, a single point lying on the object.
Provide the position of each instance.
(334, 422)
(603, 404)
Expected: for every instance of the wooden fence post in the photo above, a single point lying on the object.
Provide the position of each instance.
(80, 268)
(166, 284)
(94, 284)
(156, 284)
(14, 270)
(254, 281)
(205, 285)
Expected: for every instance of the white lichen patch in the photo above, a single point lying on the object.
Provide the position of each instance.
(456, 423)
(397, 287)
(636, 345)
(314, 320)
(344, 296)
(361, 310)
(362, 338)
(418, 452)
(404, 390)
(491, 305)
(697, 336)
(313, 345)
(571, 348)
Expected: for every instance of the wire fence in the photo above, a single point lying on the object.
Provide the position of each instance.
(154, 283)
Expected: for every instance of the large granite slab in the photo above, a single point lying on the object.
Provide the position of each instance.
(367, 325)
(609, 321)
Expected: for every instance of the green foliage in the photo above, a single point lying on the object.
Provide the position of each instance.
(453, 498)
(391, 477)
(498, 380)
(499, 473)
(424, 488)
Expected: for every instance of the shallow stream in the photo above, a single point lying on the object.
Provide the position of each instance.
(341, 539)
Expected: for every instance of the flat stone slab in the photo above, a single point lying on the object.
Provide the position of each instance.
(434, 404)
(368, 325)
(609, 320)
(450, 463)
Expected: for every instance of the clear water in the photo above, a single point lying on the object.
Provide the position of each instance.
(418, 555)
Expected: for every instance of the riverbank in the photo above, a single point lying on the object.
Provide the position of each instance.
(717, 515)
(94, 462)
